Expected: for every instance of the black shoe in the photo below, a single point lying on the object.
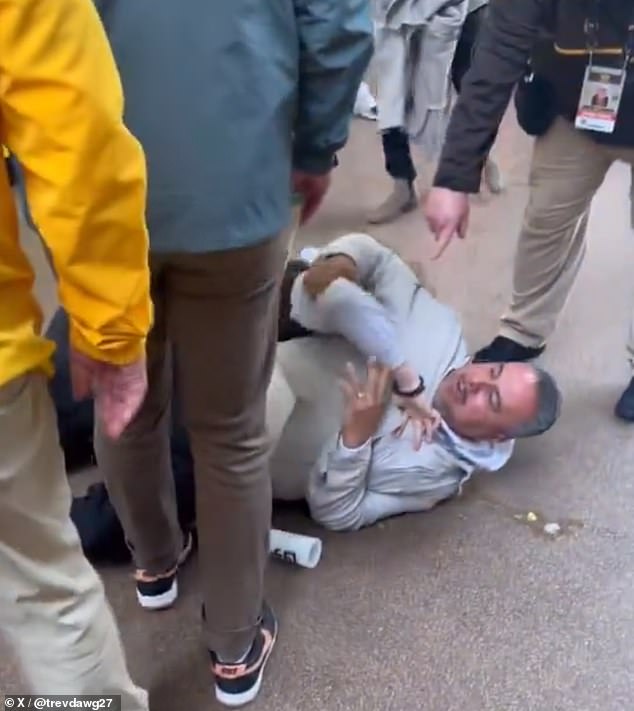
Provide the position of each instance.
(238, 684)
(158, 592)
(625, 406)
(504, 350)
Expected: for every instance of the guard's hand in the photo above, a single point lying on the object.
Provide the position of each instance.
(313, 189)
(118, 390)
(324, 271)
(447, 214)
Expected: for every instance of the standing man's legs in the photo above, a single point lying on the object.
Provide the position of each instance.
(222, 318)
(567, 169)
(392, 64)
(629, 157)
(137, 469)
(625, 405)
(219, 312)
(52, 603)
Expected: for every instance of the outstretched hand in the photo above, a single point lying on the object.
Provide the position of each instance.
(364, 403)
(420, 415)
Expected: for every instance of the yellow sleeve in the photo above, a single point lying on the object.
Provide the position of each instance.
(61, 109)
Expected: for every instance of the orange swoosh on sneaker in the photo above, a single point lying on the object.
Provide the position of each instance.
(235, 671)
(142, 576)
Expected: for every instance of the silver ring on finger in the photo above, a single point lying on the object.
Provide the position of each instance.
(360, 395)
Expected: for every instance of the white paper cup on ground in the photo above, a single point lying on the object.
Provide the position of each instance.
(295, 548)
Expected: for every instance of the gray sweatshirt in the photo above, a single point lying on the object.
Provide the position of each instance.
(395, 319)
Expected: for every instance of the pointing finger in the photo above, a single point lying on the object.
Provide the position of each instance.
(443, 239)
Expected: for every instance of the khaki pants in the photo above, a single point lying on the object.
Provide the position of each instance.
(567, 170)
(216, 314)
(52, 603)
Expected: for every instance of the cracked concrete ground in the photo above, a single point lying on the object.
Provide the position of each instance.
(466, 607)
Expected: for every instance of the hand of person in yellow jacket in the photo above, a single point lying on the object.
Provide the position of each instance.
(118, 390)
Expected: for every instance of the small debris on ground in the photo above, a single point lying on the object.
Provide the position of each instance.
(552, 529)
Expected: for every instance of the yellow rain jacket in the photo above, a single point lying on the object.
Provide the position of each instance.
(61, 108)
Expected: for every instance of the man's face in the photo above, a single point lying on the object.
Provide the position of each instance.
(486, 401)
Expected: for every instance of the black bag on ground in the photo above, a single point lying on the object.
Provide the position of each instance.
(100, 532)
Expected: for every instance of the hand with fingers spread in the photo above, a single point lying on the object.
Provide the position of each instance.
(447, 213)
(420, 415)
(365, 403)
(408, 397)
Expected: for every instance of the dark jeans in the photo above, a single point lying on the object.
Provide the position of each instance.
(398, 157)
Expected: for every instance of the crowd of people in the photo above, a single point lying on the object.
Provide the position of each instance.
(160, 149)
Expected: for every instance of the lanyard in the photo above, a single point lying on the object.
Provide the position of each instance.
(591, 27)
(591, 30)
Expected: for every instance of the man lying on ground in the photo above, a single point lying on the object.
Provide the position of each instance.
(344, 456)
(364, 456)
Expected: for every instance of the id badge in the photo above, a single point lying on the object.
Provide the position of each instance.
(600, 99)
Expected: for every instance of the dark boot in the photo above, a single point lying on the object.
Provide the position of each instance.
(400, 166)
(624, 409)
(503, 349)
(402, 199)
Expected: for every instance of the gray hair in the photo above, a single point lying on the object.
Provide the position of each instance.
(549, 401)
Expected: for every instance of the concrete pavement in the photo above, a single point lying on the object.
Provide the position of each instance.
(469, 606)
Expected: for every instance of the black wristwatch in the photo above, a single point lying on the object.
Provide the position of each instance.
(418, 390)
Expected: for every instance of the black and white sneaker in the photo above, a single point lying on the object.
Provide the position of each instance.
(158, 592)
(238, 684)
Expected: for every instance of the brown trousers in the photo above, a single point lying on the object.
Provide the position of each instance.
(216, 317)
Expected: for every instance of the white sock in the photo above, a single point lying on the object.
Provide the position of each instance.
(309, 254)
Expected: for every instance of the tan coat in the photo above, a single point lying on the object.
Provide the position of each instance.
(414, 49)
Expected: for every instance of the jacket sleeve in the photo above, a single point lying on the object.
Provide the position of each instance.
(344, 309)
(61, 108)
(500, 58)
(339, 498)
(335, 45)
